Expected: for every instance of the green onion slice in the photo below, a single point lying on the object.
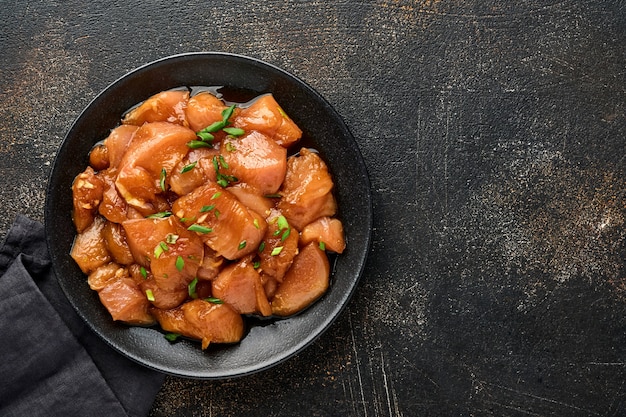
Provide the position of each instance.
(195, 144)
(188, 167)
(159, 249)
(200, 229)
(234, 131)
(215, 126)
(205, 135)
(180, 263)
(282, 222)
(171, 238)
(191, 288)
(159, 215)
(162, 178)
(171, 336)
(226, 113)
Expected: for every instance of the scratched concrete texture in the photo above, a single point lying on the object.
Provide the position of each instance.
(494, 133)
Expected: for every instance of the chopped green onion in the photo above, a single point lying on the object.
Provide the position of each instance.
(322, 245)
(261, 246)
(204, 209)
(226, 113)
(216, 195)
(234, 131)
(149, 295)
(159, 249)
(144, 273)
(242, 245)
(214, 300)
(180, 263)
(187, 219)
(162, 181)
(256, 265)
(191, 288)
(200, 229)
(205, 136)
(282, 222)
(171, 238)
(216, 164)
(223, 162)
(195, 144)
(188, 167)
(285, 235)
(159, 215)
(256, 223)
(277, 250)
(217, 214)
(171, 336)
(224, 180)
(230, 147)
(215, 126)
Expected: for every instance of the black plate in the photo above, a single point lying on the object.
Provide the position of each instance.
(265, 345)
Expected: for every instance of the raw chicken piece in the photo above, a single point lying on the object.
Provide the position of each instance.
(171, 252)
(306, 192)
(266, 116)
(204, 109)
(326, 230)
(239, 285)
(144, 170)
(113, 206)
(89, 249)
(305, 282)
(117, 142)
(99, 278)
(115, 238)
(193, 171)
(99, 157)
(126, 302)
(87, 190)
(166, 106)
(161, 298)
(256, 160)
(252, 198)
(203, 320)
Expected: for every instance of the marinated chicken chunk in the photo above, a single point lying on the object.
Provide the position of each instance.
(203, 320)
(306, 192)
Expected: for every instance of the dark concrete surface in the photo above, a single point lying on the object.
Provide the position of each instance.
(494, 133)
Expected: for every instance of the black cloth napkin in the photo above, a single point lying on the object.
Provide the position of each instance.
(51, 363)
